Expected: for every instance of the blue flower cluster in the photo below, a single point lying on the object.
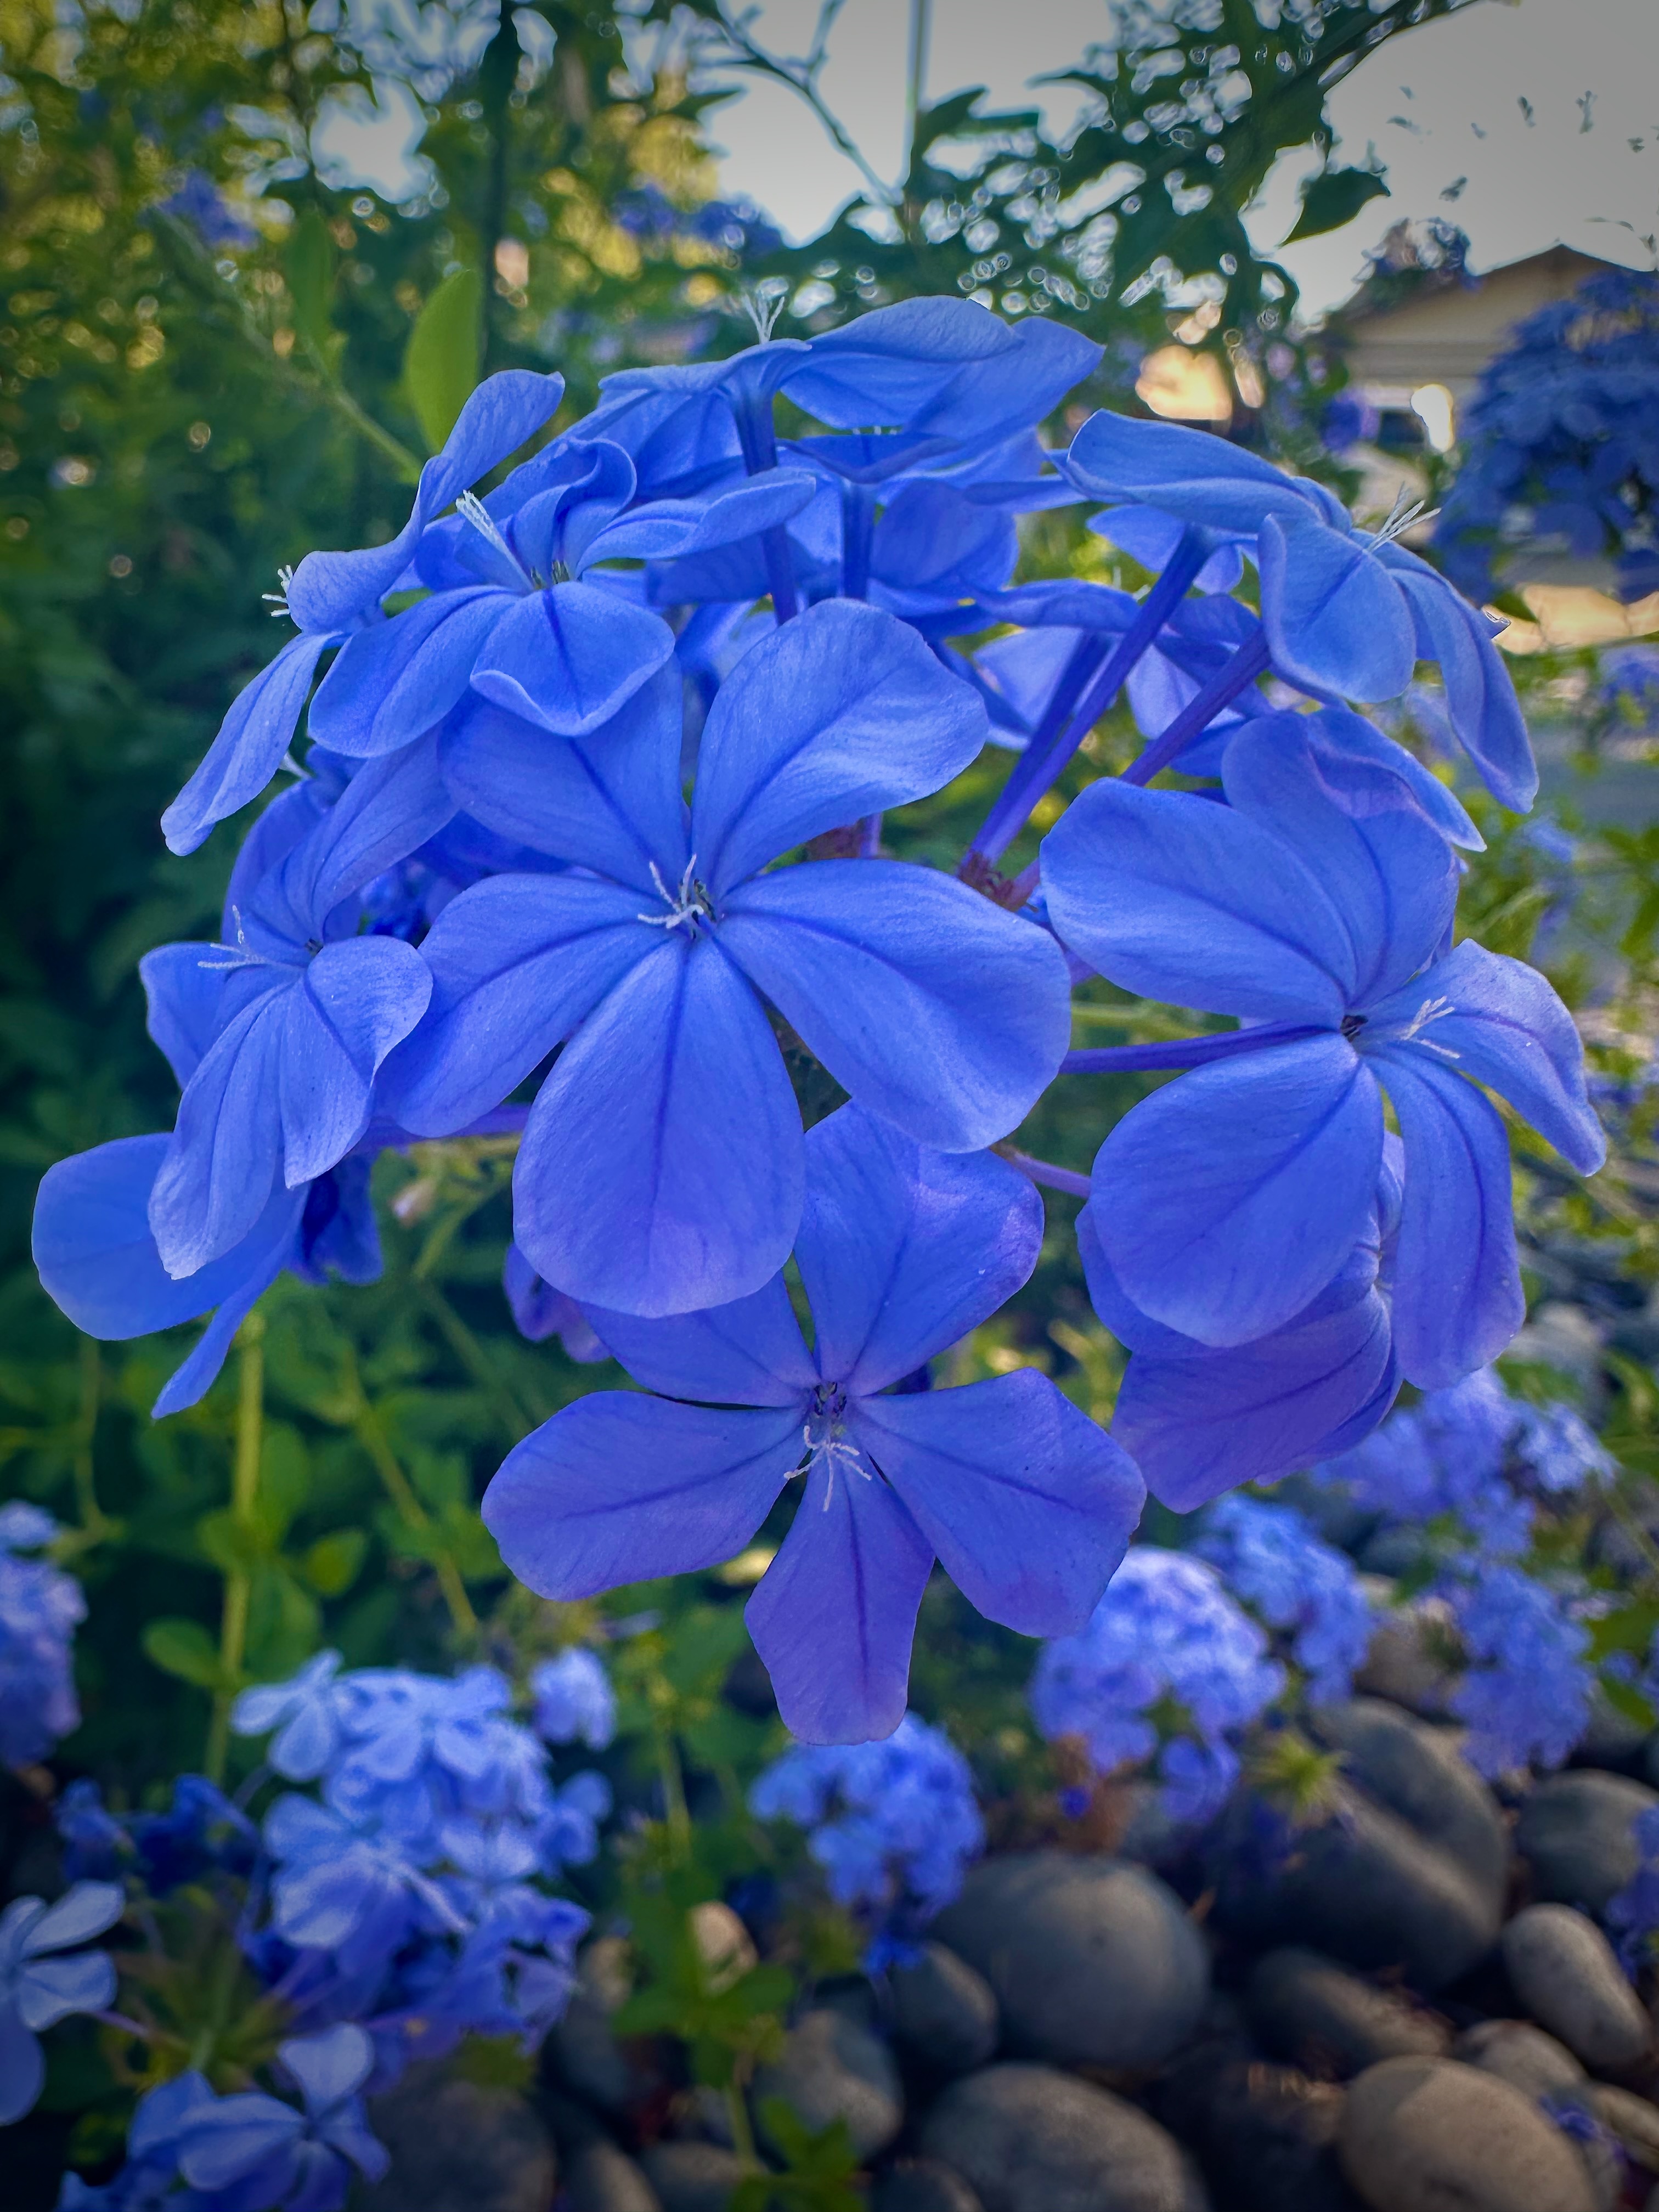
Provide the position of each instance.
(893, 1825)
(189, 2148)
(402, 1906)
(1561, 440)
(39, 1609)
(47, 1975)
(1525, 1696)
(1478, 1463)
(574, 1699)
(490, 859)
(1271, 1560)
(1475, 1454)
(1168, 1659)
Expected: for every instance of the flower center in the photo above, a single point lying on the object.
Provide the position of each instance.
(1400, 517)
(824, 1435)
(688, 908)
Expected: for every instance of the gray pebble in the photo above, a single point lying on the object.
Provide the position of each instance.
(921, 2184)
(1090, 1961)
(1265, 2134)
(1632, 2118)
(1562, 1968)
(1409, 1872)
(1307, 2009)
(1575, 1834)
(458, 2147)
(692, 2177)
(1521, 2055)
(1411, 1658)
(602, 2178)
(583, 2054)
(1427, 2135)
(1029, 2139)
(832, 2069)
(945, 2013)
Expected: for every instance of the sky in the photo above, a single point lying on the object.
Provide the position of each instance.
(1526, 121)
(1441, 105)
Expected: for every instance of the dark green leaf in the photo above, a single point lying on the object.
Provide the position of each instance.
(1333, 199)
(441, 363)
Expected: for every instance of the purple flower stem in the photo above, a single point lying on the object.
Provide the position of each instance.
(760, 451)
(1045, 1172)
(1183, 1052)
(858, 531)
(1056, 738)
(1223, 687)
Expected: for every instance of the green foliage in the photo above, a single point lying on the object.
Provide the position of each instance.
(441, 366)
(820, 2167)
(1334, 198)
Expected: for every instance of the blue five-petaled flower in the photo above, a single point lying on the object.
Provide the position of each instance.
(1230, 1199)
(1025, 1503)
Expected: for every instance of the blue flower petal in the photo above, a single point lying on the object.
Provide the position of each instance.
(1029, 1506)
(391, 683)
(1485, 714)
(611, 803)
(331, 591)
(185, 1002)
(1191, 474)
(669, 529)
(388, 810)
(661, 1166)
(50, 1989)
(750, 1352)
(1174, 897)
(903, 1249)
(618, 1488)
(516, 962)
(221, 1160)
(835, 1615)
(22, 2066)
(570, 657)
(228, 2140)
(329, 2066)
(359, 998)
(1387, 869)
(1199, 1421)
(87, 1909)
(801, 737)
(249, 748)
(1336, 619)
(884, 367)
(1013, 386)
(932, 1007)
(1348, 748)
(1229, 1199)
(1458, 1300)
(1503, 1024)
(97, 1261)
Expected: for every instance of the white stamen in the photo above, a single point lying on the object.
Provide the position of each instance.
(1401, 517)
(830, 1446)
(239, 955)
(277, 601)
(471, 508)
(1432, 1010)
(764, 303)
(687, 907)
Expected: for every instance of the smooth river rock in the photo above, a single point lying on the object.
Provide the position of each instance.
(1563, 1969)
(1575, 1834)
(1092, 1961)
(1407, 1874)
(1521, 2055)
(944, 2011)
(1305, 2008)
(1027, 2139)
(457, 2146)
(1428, 2135)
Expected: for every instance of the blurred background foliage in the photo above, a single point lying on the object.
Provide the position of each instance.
(216, 354)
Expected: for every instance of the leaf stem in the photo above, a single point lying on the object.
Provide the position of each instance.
(411, 1511)
(244, 1497)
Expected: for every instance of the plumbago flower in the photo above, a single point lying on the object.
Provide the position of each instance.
(45, 1977)
(331, 595)
(894, 1826)
(1345, 612)
(901, 1251)
(1229, 1201)
(1269, 1556)
(1168, 1658)
(41, 1608)
(661, 1166)
(258, 2150)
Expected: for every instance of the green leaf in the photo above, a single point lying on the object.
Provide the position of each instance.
(1333, 199)
(184, 1648)
(332, 1563)
(441, 362)
(309, 268)
(234, 1545)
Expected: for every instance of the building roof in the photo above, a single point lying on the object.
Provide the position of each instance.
(1449, 328)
